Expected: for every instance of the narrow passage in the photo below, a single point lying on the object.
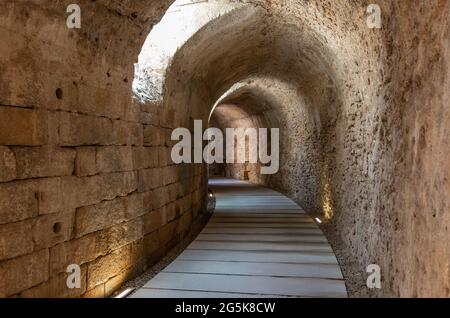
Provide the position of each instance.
(258, 243)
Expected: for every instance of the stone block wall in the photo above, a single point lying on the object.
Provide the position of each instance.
(85, 171)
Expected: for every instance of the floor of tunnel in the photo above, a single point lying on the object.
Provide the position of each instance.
(258, 243)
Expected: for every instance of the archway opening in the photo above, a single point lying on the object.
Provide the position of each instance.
(248, 122)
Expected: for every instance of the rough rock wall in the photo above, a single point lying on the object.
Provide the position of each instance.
(413, 207)
(85, 172)
(379, 124)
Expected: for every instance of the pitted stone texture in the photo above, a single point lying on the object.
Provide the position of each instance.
(75, 148)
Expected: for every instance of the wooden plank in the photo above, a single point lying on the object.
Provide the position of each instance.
(255, 269)
(251, 210)
(258, 256)
(259, 220)
(257, 203)
(263, 225)
(262, 238)
(187, 294)
(288, 216)
(255, 230)
(263, 246)
(249, 284)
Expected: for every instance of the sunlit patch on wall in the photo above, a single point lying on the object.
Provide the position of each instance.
(327, 202)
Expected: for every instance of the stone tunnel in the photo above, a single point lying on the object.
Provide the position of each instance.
(87, 112)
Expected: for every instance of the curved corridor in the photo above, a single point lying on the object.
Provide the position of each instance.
(258, 243)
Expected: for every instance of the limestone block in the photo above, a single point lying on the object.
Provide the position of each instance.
(166, 138)
(184, 188)
(79, 251)
(94, 160)
(152, 200)
(138, 250)
(51, 229)
(56, 287)
(172, 191)
(150, 179)
(149, 118)
(15, 77)
(38, 162)
(82, 130)
(127, 133)
(20, 126)
(107, 213)
(8, 168)
(161, 197)
(89, 247)
(172, 211)
(18, 201)
(96, 292)
(185, 223)
(168, 233)
(165, 158)
(122, 234)
(105, 267)
(23, 272)
(132, 111)
(153, 248)
(114, 283)
(101, 101)
(170, 174)
(152, 135)
(72, 192)
(15, 239)
(99, 216)
(185, 203)
(151, 107)
(145, 157)
(168, 118)
(155, 220)
(114, 159)
(185, 171)
(85, 164)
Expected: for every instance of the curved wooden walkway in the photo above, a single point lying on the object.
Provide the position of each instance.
(258, 243)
